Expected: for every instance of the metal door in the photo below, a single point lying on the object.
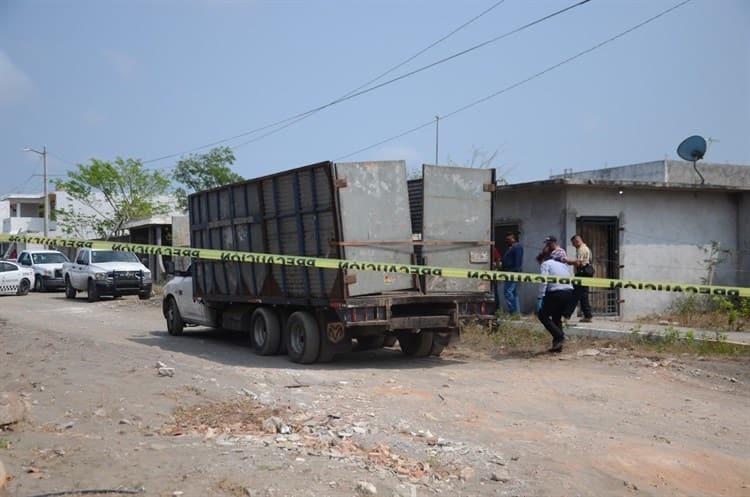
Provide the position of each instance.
(457, 224)
(601, 234)
(375, 223)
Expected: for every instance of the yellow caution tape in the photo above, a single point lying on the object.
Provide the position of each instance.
(319, 262)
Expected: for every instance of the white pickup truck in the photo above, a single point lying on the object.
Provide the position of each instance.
(47, 266)
(106, 272)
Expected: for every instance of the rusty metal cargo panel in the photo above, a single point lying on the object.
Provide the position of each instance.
(457, 208)
(290, 213)
(375, 223)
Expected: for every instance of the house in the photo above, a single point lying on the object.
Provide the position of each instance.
(668, 221)
(168, 230)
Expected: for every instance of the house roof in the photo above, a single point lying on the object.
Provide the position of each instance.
(600, 183)
(20, 197)
(657, 175)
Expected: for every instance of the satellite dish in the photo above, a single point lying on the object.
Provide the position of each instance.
(692, 148)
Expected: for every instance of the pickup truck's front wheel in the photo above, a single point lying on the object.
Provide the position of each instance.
(70, 292)
(175, 324)
(93, 292)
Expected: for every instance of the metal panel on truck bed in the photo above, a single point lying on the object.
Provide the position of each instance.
(374, 207)
(457, 207)
(290, 213)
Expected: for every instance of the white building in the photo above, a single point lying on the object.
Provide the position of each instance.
(655, 221)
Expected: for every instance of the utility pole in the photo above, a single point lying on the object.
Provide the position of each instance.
(437, 137)
(43, 153)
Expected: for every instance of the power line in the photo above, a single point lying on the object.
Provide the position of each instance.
(359, 92)
(521, 82)
(61, 159)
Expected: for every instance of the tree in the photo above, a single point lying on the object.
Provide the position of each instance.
(482, 159)
(111, 195)
(203, 171)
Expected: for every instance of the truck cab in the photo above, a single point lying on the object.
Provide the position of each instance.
(106, 272)
(47, 266)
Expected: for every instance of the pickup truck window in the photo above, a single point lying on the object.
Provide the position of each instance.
(82, 257)
(48, 258)
(24, 259)
(113, 256)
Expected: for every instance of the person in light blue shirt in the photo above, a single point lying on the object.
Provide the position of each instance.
(512, 262)
(554, 299)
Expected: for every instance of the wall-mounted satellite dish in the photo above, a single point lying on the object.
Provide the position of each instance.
(692, 149)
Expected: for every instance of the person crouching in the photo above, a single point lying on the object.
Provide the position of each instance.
(553, 299)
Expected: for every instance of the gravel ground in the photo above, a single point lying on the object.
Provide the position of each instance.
(113, 402)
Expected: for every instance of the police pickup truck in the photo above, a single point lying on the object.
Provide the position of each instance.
(106, 272)
(47, 266)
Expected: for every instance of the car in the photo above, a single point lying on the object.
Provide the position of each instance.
(15, 279)
(47, 266)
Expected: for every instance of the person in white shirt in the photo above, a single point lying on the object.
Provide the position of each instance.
(554, 299)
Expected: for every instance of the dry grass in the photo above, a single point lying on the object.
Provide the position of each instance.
(527, 338)
(235, 417)
(720, 314)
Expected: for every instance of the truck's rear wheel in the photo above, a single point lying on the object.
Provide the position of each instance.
(175, 324)
(415, 344)
(390, 341)
(93, 293)
(303, 338)
(265, 331)
(70, 292)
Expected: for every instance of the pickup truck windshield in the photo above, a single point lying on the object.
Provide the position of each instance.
(48, 258)
(112, 256)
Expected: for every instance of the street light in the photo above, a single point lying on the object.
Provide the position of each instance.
(43, 153)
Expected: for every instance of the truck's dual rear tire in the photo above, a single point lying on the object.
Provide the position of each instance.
(417, 344)
(303, 338)
(265, 331)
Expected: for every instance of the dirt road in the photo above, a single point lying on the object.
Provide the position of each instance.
(589, 422)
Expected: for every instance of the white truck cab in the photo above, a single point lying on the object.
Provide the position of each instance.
(47, 266)
(106, 272)
(179, 306)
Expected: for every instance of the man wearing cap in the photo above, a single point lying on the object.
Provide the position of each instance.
(512, 262)
(555, 251)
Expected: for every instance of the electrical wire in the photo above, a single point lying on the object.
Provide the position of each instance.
(521, 82)
(353, 94)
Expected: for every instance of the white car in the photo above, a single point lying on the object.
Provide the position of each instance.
(15, 279)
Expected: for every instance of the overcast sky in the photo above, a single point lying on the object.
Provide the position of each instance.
(147, 79)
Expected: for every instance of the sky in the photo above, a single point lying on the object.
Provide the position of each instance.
(156, 80)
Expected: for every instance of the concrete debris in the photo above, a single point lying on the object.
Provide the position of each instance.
(589, 353)
(65, 426)
(275, 425)
(466, 474)
(366, 488)
(166, 371)
(500, 476)
(3, 476)
(12, 408)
